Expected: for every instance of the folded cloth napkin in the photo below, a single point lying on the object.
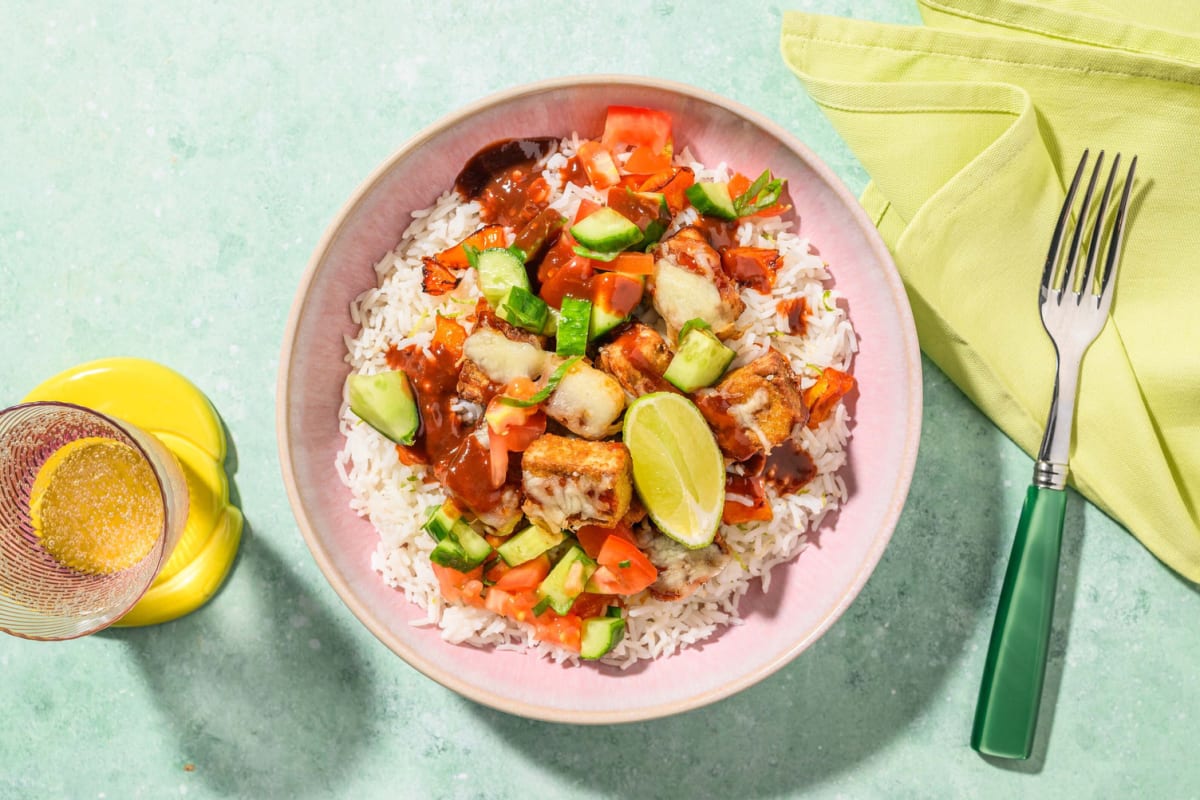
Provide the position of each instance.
(967, 126)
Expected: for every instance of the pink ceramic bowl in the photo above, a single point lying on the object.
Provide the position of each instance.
(806, 595)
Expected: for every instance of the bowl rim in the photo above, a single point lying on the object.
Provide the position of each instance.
(641, 713)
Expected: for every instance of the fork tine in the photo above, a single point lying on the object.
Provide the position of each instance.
(1087, 287)
(1072, 268)
(1114, 245)
(1056, 240)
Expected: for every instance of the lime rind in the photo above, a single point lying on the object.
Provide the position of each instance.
(677, 467)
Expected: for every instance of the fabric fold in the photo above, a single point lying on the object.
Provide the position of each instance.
(967, 133)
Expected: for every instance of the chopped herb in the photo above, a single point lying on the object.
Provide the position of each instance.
(825, 301)
(763, 193)
(550, 386)
(624, 564)
(472, 255)
(541, 607)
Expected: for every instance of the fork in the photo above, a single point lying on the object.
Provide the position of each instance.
(1073, 316)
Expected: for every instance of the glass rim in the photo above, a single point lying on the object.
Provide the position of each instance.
(164, 533)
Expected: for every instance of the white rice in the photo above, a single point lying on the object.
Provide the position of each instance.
(395, 497)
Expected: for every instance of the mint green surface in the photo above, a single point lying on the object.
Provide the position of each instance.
(1010, 695)
(166, 175)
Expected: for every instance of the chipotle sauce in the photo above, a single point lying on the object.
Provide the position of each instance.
(502, 178)
(460, 461)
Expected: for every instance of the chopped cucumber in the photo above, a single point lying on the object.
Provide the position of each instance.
(604, 317)
(600, 635)
(566, 581)
(551, 326)
(459, 546)
(574, 319)
(606, 230)
(655, 228)
(500, 269)
(712, 199)
(528, 544)
(385, 402)
(700, 361)
(524, 309)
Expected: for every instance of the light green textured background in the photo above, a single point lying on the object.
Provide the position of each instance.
(165, 172)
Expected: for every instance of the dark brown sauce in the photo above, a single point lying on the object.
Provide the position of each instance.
(789, 468)
(538, 233)
(752, 267)
(748, 487)
(459, 461)
(574, 172)
(501, 177)
(719, 232)
(733, 439)
(795, 310)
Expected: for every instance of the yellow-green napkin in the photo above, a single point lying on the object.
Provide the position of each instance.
(967, 127)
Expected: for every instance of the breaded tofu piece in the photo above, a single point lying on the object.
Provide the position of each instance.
(754, 407)
(681, 570)
(637, 358)
(570, 483)
(587, 402)
(690, 283)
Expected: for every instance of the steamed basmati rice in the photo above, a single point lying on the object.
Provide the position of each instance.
(395, 497)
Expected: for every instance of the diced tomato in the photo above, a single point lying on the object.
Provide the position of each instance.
(591, 537)
(644, 160)
(795, 311)
(531, 239)
(738, 185)
(497, 461)
(822, 396)
(599, 165)
(522, 577)
(562, 631)
(586, 209)
(485, 237)
(749, 489)
(753, 267)
(460, 587)
(571, 278)
(518, 437)
(631, 125)
(590, 604)
(410, 456)
(616, 293)
(673, 184)
(624, 569)
(628, 264)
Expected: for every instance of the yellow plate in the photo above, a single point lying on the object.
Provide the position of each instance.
(162, 402)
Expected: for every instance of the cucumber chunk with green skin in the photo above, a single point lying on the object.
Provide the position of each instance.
(441, 522)
(500, 269)
(523, 309)
(712, 199)
(599, 635)
(463, 548)
(603, 321)
(385, 402)
(700, 361)
(573, 324)
(528, 544)
(606, 230)
(566, 581)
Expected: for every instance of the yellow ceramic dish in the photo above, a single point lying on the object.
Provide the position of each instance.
(164, 403)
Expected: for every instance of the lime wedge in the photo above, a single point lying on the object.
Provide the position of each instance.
(677, 467)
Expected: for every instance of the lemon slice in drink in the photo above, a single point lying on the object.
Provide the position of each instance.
(677, 467)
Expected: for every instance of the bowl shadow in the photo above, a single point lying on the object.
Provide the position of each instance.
(870, 676)
(246, 682)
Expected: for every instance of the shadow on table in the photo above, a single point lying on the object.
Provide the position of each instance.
(869, 680)
(263, 689)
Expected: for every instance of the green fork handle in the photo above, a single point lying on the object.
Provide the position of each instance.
(1011, 691)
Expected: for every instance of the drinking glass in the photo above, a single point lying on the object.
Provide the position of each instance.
(40, 597)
